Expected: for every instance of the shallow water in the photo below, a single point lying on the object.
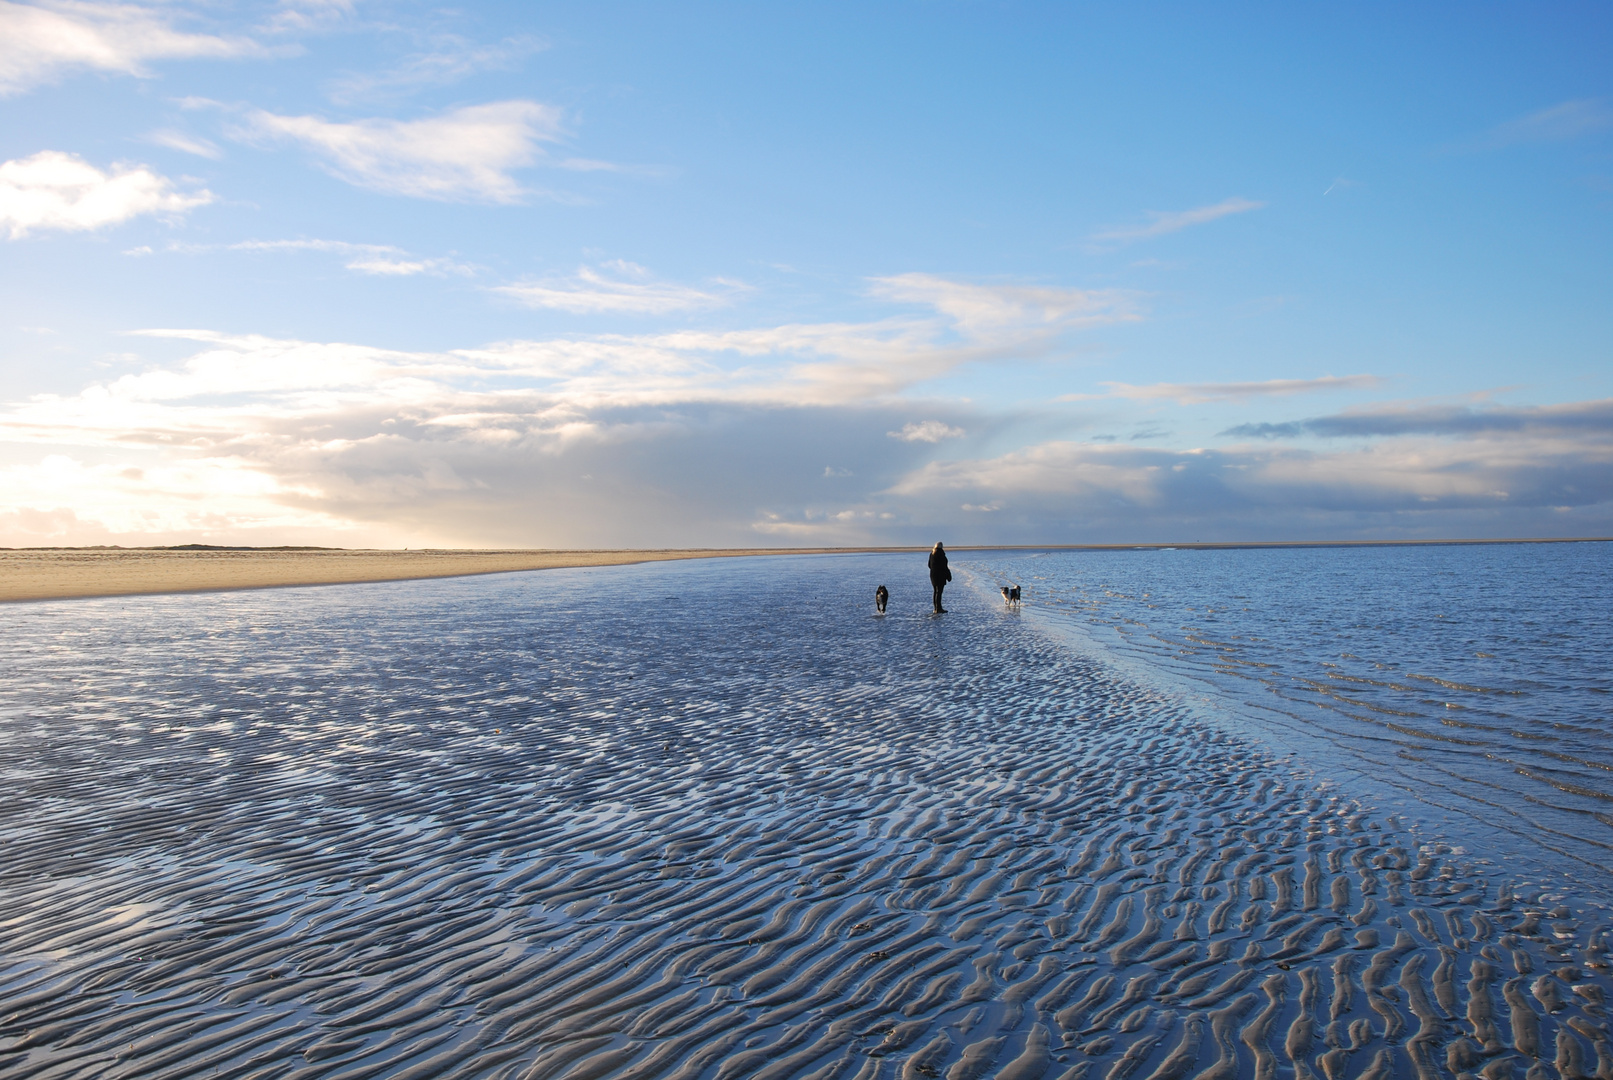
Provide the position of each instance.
(1478, 679)
(714, 820)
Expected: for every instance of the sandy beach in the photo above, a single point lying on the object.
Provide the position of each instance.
(64, 573)
(713, 820)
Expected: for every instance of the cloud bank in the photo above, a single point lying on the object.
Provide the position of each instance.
(1506, 485)
(709, 437)
(572, 440)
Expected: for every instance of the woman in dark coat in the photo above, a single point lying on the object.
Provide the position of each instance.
(939, 574)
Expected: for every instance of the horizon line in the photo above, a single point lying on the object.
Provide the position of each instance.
(826, 549)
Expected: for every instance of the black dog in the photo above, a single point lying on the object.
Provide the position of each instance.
(882, 597)
(1011, 596)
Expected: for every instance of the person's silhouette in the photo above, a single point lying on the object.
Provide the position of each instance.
(939, 574)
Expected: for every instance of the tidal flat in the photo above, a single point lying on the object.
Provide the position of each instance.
(717, 819)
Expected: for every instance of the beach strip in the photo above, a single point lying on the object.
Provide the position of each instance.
(69, 573)
(78, 573)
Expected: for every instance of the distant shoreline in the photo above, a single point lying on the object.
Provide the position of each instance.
(32, 574)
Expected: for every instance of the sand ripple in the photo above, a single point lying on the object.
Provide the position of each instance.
(1473, 678)
(710, 821)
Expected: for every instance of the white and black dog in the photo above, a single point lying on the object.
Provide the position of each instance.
(1011, 596)
(882, 597)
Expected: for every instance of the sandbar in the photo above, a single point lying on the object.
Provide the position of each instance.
(70, 573)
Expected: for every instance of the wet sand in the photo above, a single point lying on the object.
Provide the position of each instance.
(713, 821)
(62, 573)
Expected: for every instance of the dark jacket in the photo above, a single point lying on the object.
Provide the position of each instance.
(938, 567)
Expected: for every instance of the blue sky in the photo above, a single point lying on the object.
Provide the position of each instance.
(702, 274)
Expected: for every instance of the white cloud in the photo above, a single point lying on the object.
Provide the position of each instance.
(185, 143)
(39, 42)
(927, 431)
(629, 291)
(843, 362)
(382, 266)
(1198, 393)
(53, 190)
(983, 308)
(1163, 222)
(546, 390)
(375, 259)
(467, 154)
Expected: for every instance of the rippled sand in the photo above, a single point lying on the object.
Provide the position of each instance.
(1473, 678)
(710, 820)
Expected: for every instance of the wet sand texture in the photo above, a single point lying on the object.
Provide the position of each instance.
(510, 831)
(1471, 677)
(60, 573)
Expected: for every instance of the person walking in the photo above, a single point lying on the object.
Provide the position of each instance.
(939, 574)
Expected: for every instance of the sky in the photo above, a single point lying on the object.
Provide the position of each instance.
(702, 274)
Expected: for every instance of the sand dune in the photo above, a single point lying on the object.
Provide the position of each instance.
(546, 835)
